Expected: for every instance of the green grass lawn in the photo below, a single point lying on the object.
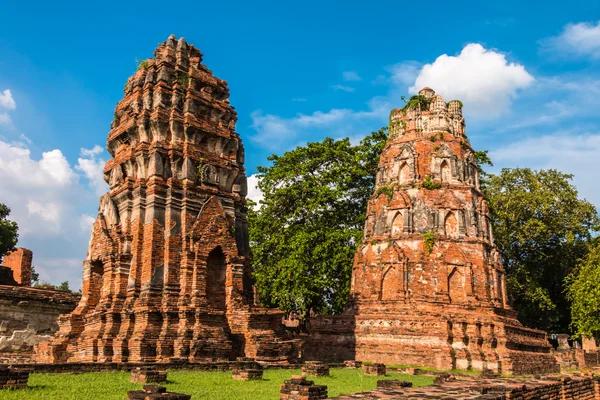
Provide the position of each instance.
(201, 385)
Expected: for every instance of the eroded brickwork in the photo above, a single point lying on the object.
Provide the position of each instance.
(19, 261)
(428, 285)
(167, 273)
(27, 317)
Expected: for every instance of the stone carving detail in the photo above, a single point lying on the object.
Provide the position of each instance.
(428, 263)
(168, 272)
(210, 175)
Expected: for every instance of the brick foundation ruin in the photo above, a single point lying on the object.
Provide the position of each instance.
(13, 378)
(298, 388)
(153, 392)
(547, 388)
(148, 375)
(27, 315)
(167, 274)
(19, 262)
(428, 284)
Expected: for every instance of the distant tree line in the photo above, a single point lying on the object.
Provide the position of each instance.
(305, 231)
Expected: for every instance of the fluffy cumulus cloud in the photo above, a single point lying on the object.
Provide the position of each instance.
(568, 152)
(7, 103)
(46, 195)
(37, 190)
(92, 166)
(482, 79)
(577, 40)
(254, 193)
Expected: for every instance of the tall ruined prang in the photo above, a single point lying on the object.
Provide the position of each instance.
(428, 286)
(167, 274)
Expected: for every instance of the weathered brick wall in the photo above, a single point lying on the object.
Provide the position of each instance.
(19, 261)
(549, 388)
(28, 316)
(428, 285)
(167, 274)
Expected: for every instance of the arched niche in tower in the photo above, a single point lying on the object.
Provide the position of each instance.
(404, 175)
(405, 165)
(456, 286)
(443, 164)
(216, 274)
(391, 283)
(445, 174)
(451, 225)
(398, 223)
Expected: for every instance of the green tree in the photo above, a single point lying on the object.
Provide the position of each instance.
(584, 293)
(542, 228)
(8, 231)
(304, 235)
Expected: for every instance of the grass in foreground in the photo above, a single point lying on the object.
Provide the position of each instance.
(201, 385)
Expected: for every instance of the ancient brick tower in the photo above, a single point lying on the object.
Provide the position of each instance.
(428, 284)
(167, 273)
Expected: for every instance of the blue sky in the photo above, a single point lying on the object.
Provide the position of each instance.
(527, 72)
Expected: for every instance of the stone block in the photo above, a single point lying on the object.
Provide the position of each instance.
(153, 392)
(247, 374)
(298, 388)
(148, 375)
(374, 369)
(315, 368)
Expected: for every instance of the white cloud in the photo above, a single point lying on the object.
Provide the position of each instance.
(279, 133)
(567, 152)
(578, 40)
(93, 168)
(48, 211)
(343, 88)
(6, 100)
(5, 119)
(7, 103)
(482, 79)
(351, 76)
(254, 193)
(86, 222)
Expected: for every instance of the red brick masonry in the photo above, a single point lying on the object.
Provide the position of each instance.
(19, 261)
(428, 285)
(549, 388)
(167, 274)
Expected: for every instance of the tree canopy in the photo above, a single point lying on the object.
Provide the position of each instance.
(304, 234)
(584, 293)
(8, 231)
(542, 228)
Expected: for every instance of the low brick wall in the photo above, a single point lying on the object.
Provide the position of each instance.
(28, 317)
(548, 388)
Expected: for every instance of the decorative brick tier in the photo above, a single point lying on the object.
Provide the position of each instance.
(13, 378)
(298, 388)
(315, 368)
(167, 273)
(152, 392)
(148, 375)
(247, 374)
(576, 388)
(428, 286)
(373, 369)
